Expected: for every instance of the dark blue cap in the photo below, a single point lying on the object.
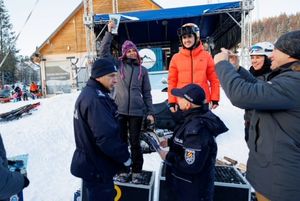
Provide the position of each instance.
(191, 92)
(103, 67)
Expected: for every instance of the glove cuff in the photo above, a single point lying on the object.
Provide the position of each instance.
(171, 105)
(128, 162)
(214, 102)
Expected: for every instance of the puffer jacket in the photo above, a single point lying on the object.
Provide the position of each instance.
(192, 154)
(132, 95)
(11, 183)
(274, 141)
(193, 66)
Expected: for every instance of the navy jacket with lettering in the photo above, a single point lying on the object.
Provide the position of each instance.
(193, 151)
(99, 150)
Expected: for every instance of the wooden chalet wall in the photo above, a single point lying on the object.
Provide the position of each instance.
(70, 37)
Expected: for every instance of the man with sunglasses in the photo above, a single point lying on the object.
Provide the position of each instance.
(192, 64)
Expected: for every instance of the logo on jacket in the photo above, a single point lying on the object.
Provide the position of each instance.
(76, 114)
(189, 156)
(100, 93)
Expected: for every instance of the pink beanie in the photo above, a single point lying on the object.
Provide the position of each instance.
(127, 45)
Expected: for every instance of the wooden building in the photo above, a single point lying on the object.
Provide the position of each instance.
(63, 55)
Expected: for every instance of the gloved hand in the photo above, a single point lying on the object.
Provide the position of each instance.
(214, 104)
(127, 166)
(173, 107)
(10, 162)
(26, 182)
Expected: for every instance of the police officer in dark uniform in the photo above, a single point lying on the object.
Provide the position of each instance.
(100, 152)
(192, 154)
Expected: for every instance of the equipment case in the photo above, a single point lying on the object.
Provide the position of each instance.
(229, 185)
(133, 192)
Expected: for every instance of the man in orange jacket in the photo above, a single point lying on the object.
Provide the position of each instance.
(192, 64)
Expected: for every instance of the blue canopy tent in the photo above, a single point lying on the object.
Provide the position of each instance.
(158, 28)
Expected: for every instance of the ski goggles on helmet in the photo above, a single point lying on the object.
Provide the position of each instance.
(258, 50)
(187, 30)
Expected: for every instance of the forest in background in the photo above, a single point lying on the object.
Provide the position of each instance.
(269, 29)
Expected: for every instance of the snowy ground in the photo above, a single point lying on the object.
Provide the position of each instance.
(47, 136)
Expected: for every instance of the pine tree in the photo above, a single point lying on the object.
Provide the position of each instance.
(7, 45)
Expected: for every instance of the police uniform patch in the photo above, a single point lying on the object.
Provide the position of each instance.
(189, 156)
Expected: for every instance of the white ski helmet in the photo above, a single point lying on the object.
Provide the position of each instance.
(262, 48)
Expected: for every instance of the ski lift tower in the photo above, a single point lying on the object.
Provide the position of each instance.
(246, 32)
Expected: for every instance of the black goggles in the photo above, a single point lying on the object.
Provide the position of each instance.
(187, 30)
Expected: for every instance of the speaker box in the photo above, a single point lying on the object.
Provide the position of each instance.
(229, 185)
(132, 192)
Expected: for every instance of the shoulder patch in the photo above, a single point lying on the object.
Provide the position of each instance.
(189, 156)
(100, 93)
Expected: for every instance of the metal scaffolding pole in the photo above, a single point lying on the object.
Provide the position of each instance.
(246, 32)
(88, 21)
(89, 29)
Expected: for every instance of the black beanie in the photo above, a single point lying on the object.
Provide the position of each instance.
(289, 44)
(102, 67)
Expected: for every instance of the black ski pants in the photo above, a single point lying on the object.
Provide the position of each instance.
(96, 191)
(132, 125)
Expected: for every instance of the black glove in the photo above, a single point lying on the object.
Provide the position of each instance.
(10, 162)
(172, 105)
(214, 102)
(26, 182)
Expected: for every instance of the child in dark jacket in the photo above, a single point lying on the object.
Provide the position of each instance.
(193, 149)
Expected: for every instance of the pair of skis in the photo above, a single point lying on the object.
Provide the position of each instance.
(18, 113)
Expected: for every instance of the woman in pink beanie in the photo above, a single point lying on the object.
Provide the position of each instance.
(133, 96)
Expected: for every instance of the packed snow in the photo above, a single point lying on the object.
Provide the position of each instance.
(47, 136)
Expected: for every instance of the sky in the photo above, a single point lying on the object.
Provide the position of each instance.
(48, 15)
(50, 143)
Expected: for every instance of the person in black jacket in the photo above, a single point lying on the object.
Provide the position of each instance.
(11, 183)
(191, 158)
(100, 152)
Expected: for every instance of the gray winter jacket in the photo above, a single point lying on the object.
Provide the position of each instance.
(132, 95)
(273, 167)
(10, 182)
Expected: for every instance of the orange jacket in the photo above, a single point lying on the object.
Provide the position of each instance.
(193, 66)
(34, 88)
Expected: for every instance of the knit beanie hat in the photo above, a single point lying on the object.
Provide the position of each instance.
(127, 45)
(289, 44)
(102, 67)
